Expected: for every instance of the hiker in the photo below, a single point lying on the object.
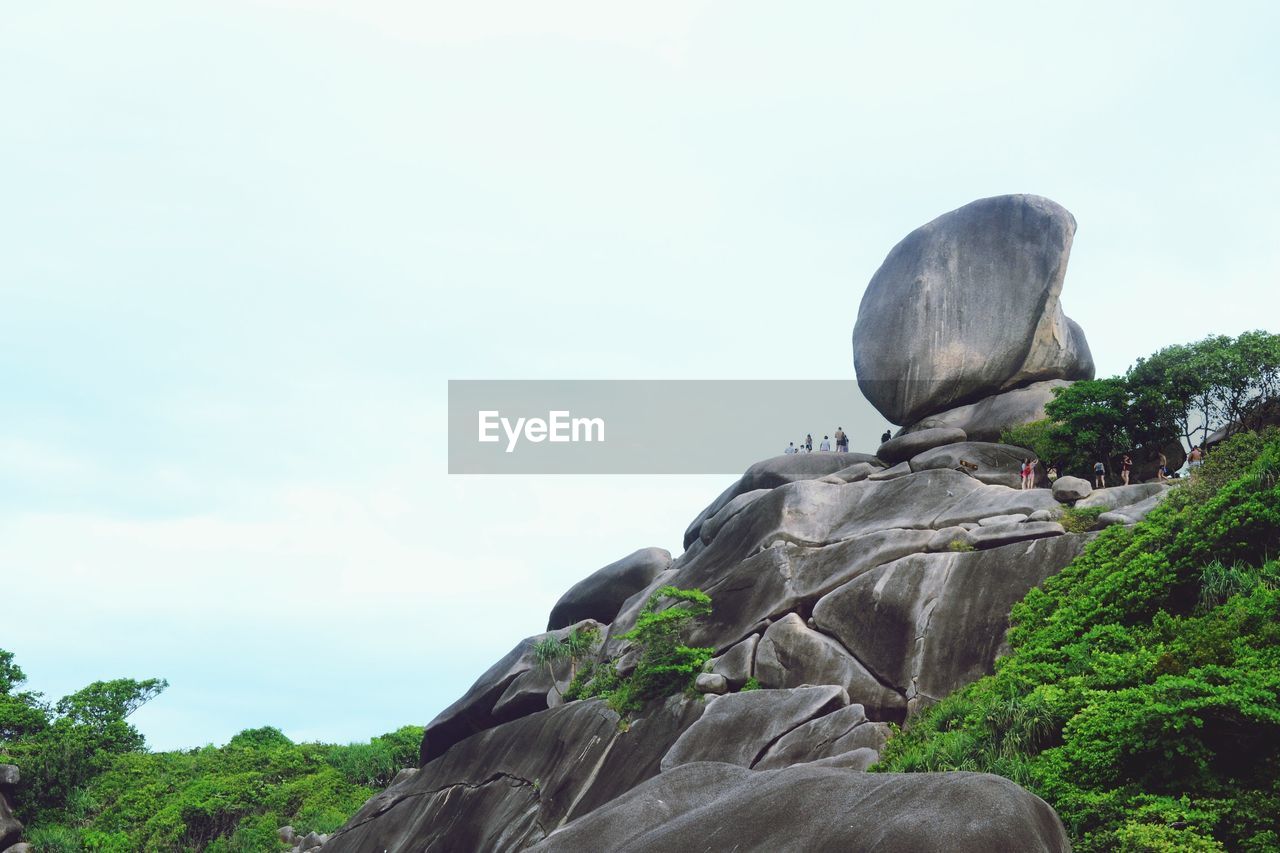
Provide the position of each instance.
(1163, 473)
(808, 442)
(1052, 473)
(1126, 465)
(1099, 475)
(791, 448)
(1028, 474)
(1195, 458)
(825, 447)
(842, 441)
(885, 437)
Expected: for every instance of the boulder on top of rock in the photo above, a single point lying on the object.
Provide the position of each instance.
(725, 807)
(1008, 533)
(911, 444)
(1068, 489)
(738, 728)
(852, 474)
(967, 306)
(993, 464)
(834, 734)
(987, 419)
(791, 654)
(774, 472)
(603, 592)
(1118, 497)
(738, 664)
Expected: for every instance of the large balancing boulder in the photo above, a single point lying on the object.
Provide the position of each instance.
(601, 594)
(966, 307)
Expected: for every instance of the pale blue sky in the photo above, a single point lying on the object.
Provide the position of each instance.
(244, 245)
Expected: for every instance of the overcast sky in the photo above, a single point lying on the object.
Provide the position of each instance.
(243, 246)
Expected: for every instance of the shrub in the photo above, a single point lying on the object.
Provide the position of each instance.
(1081, 519)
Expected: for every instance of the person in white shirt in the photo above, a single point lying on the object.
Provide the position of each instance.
(826, 445)
(791, 448)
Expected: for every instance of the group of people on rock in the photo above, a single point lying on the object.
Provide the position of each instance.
(824, 446)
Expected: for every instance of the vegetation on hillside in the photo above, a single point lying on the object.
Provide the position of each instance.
(1182, 393)
(88, 782)
(1141, 696)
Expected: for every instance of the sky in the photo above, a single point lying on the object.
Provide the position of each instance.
(245, 245)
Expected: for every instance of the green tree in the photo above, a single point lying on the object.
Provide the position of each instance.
(1090, 421)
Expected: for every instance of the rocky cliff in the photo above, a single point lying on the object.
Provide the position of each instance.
(854, 589)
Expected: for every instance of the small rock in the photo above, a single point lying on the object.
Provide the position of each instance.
(991, 537)
(1040, 515)
(998, 520)
(1068, 489)
(711, 682)
(1109, 518)
(311, 841)
(941, 541)
(20, 847)
(911, 444)
(405, 774)
(287, 835)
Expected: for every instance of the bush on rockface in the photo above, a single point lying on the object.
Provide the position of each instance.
(1140, 695)
(665, 667)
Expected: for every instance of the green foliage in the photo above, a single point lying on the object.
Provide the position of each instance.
(1080, 519)
(1038, 437)
(1184, 391)
(751, 683)
(88, 784)
(574, 647)
(665, 666)
(961, 545)
(1140, 697)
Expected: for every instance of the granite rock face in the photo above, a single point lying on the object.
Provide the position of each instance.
(989, 417)
(600, 595)
(966, 307)
(806, 807)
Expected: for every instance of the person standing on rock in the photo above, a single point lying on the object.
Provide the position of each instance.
(1052, 474)
(1163, 473)
(1126, 465)
(887, 435)
(808, 442)
(842, 441)
(791, 448)
(1195, 458)
(1099, 475)
(825, 447)
(1028, 474)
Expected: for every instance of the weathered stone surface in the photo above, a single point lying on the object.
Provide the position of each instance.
(1069, 489)
(711, 682)
(860, 759)
(967, 306)
(774, 472)
(713, 524)
(20, 847)
(1040, 515)
(738, 728)
(512, 687)
(1002, 520)
(988, 418)
(911, 444)
(739, 663)
(987, 501)
(507, 787)
(1118, 497)
(1007, 534)
(725, 807)
(902, 469)
(993, 464)
(791, 654)
(939, 618)
(943, 539)
(10, 826)
(852, 474)
(828, 736)
(601, 594)
(9, 775)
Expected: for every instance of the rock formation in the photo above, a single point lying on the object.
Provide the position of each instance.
(965, 310)
(854, 590)
(10, 826)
